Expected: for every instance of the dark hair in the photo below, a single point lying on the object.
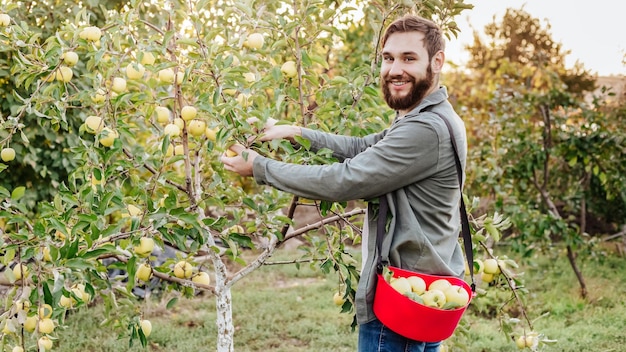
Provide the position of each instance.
(433, 36)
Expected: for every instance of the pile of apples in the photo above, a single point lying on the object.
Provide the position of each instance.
(439, 294)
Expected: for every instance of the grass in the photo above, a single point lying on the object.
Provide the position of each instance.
(281, 308)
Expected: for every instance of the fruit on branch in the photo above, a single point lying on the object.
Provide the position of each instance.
(144, 272)
(289, 69)
(69, 58)
(255, 41)
(202, 278)
(108, 137)
(338, 299)
(94, 124)
(64, 74)
(183, 270)
(145, 247)
(135, 70)
(188, 112)
(163, 114)
(7, 154)
(91, 33)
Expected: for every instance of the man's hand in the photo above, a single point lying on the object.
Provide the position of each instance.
(241, 163)
(272, 131)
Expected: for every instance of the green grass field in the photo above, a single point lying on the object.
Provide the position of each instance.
(281, 308)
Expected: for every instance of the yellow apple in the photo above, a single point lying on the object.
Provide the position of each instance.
(289, 68)
(20, 271)
(108, 137)
(180, 77)
(69, 58)
(79, 291)
(91, 33)
(133, 210)
(434, 298)
(172, 130)
(179, 122)
(45, 311)
(250, 77)
(202, 278)
(491, 266)
(163, 114)
(457, 294)
(5, 20)
(17, 349)
(46, 254)
(179, 150)
(7, 154)
(244, 100)
(30, 323)
(211, 134)
(166, 75)
(148, 58)
(255, 41)
(230, 91)
(144, 272)
(418, 285)
(94, 124)
(183, 270)
(197, 128)
(146, 327)
(135, 71)
(64, 74)
(401, 284)
(338, 299)
(99, 96)
(118, 85)
(188, 112)
(44, 343)
(231, 153)
(46, 326)
(145, 247)
(439, 284)
(22, 305)
(66, 302)
(487, 278)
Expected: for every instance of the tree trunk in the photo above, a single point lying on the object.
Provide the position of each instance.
(225, 327)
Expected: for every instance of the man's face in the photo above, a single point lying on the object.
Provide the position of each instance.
(406, 74)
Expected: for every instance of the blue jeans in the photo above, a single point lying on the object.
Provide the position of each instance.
(375, 337)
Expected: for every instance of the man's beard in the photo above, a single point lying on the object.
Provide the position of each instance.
(418, 91)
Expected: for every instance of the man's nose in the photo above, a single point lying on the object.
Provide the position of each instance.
(396, 68)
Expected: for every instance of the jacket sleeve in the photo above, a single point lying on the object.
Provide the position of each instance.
(408, 152)
(343, 147)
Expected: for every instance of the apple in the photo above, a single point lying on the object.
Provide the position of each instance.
(188, 112)
(338, 299)
(202, 278)
(486, 277)
(439, 284)
(148, 58)
(45, 326)
(418, 285)
(108, 137)
(17, 349)
(255, 41)
(91, 33)
(30, 323)
(211, 134)
(64, 74)
(250, 77)
(118, 85)
(46, 254)
(289, 69)
(166, 75)
(491, 266)
(479, 266)
(520, 342)
(45, 311)
(179, 150)
(44, 343)
(179, 122)
(183, 270)
(5, 20)
(69, 58)
(7, 154)
(180, 77)
(79, 291)
(230, 91)
(135, 71)
(66, 302)
(231, 153)
(163, 114)
(99, 96)
(146, 327)
(144, 272)
(401, 284)
(133, 210)
(457, 294)
(197, 128)
(145, 247)
(172, 130)
(20, 271)
(434, 298)
(94, 124)
(22, 305)
(244, 100)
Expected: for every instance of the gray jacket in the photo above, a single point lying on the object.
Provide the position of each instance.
(412, 164)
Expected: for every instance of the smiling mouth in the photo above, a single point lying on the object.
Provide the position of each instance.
(399, 83)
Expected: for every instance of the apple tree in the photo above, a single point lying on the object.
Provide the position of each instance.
(118, 113)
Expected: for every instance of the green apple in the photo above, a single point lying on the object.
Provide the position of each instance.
(64, 74)
(188, 112)
(179, 122)
(144, 272)
(418, 285)
(69, 58)
(7, 154)
(118, 85)
(197, 127)
(520, 342)
(145, 247)
(91, 33)
(202, 278)
(135, 70)
(338, 299)
(491, 266)
(163, 114)
(172, 130)
(99, 96)
(457, 294)
(211, 134)
(255, 41)
(289, 68)
(5, 20)
(401, 284)
(94, 124)
(487, 278)
(434, 298)
(439, 284)
(108, 137)
(66, 302)
(183, 270)
(44, 343)
(30, 323)
(166, 75)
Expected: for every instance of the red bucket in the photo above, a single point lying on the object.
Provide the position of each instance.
(414, 320)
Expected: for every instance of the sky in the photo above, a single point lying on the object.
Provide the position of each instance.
(594, 31)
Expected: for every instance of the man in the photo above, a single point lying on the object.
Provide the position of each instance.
(411, 164)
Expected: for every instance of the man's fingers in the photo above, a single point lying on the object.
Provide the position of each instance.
(237, 148)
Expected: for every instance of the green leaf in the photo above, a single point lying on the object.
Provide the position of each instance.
(18, 193)
(171, 303)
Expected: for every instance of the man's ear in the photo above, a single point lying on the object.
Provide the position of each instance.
(436, 64)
